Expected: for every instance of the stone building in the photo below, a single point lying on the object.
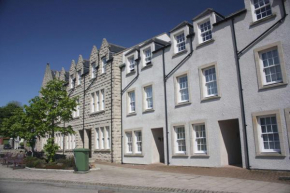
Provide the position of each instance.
(97, 119)
(213, 93)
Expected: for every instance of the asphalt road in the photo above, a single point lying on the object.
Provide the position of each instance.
(30, 187)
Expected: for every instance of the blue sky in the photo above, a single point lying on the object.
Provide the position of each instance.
(36, 32)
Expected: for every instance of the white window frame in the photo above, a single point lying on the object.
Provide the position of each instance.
(93, 70)
(97, 138)
(108, 137)
(180, 46)
(104, 64)
(74, 141)
(138, 142)
(93, 105)
(179, 89)
(130, 101)
(205, 82)
(255, 16)
(196, 138)
(102, 107)
(131, 63)
(260, 133)
(201, 40)
(72, 81)
(147, 57)
(146, 98)
(263, 69)
(178, 140)
(98, 101)
(79, 77)
(129, 142)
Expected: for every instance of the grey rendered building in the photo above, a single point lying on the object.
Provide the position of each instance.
(97, 118)
(213, 93)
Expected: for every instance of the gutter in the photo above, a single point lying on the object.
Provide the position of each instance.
(112, 159)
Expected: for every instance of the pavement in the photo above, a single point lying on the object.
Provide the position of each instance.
(132, 178)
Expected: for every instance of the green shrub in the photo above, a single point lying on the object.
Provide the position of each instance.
(67, 163)
(33, 162)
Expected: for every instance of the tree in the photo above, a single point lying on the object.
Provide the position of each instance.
(8, 110)
(53, 105)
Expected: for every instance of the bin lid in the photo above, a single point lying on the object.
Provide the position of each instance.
(81, 150)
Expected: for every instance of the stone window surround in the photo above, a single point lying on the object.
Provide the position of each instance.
(192, 143)
(173, 140)
(202, 83)
(185, 31)
(95, 91)
(212, 18)
(129, 71)
(128, 102)
(99, 126)
(257, 52)
(287, 117)
(176, 95)
(144, 98)
(134, 145)
(257, 138)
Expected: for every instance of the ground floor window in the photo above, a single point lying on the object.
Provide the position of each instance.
(102, 138)
(180, 145)
(133, 142)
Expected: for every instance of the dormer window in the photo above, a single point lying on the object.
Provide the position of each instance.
(79, 77)
(147, 54)
(104, 63)
(72, 81)
(131, 63)
(93, 70)
(180, 42)
(262, 8)
(205, 31)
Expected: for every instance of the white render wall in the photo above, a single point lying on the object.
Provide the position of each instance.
(276, 98)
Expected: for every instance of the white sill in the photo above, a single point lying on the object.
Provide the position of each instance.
(96, 112)
(204, 43)
(265, 86)
(182, 103)
(263, 19)
(179, 53)
(130, 73)
(133, 155)
(131, 114)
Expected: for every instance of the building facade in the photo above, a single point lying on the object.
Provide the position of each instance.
(97, 119)
(213, 92)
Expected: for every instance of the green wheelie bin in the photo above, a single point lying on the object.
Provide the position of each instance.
(81, 156)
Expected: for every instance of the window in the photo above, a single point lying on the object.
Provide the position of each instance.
(104, 63)
(269, 141)
(103, 139)
(108, 141)
(268, 133)
(103, 100)
(270, 65)
(131, 96)
(79, 77)
(199, 137)
(147, 54)
(210, 82)
(97, 138)
(73, 141)
(182, 89)
(98, 101)
(148, 97)
(129, 148)
(180, 42)
(93, 102)
(180, 139)
(205, 31)
(72, 84)
(138, 136)
(93, 70)
(131, 63)
(76, 113)
(262, 8)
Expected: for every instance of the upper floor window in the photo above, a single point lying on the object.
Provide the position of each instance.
(182, 89)
(147, 54)
(93, 70)
(262, 8)
(131, 96)
(79, 77)
(205, 31)
(93, 104)
(180, 42)
(210, 82)
(131, 63)
(102, 107)
(271, 66)
(72, 83)
(148, 97)
(104, 63)
(98, 101)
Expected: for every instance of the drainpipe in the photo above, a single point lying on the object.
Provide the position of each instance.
(241, 95)
(112, 159)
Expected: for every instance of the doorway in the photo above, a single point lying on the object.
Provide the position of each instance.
(88, 141)
(231, 153)
(158, 146)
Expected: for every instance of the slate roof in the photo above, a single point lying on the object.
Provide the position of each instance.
(116, 48)
(182, 24)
